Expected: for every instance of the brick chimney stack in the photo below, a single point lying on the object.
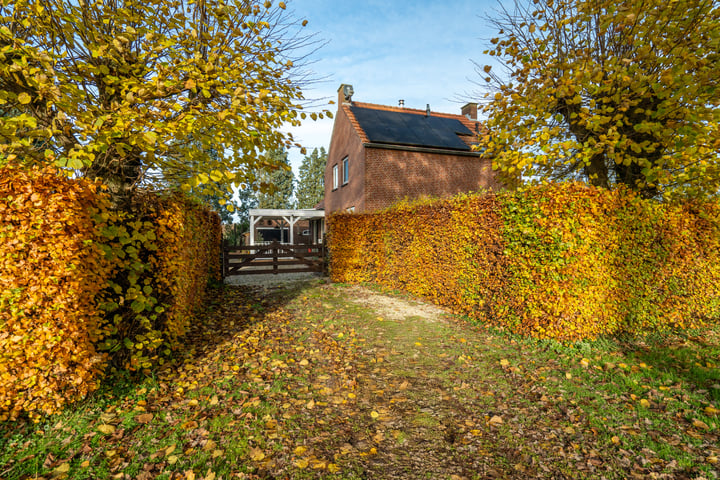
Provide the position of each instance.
(345, 93)
(470, 110)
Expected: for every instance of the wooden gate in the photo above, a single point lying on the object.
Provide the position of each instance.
(273, 258)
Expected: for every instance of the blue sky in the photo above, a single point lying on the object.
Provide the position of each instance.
(419, 51)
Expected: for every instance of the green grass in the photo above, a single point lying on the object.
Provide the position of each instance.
(307, 367)
(603, 384)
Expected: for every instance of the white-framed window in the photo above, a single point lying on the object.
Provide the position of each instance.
(336, 178)
(346, 170)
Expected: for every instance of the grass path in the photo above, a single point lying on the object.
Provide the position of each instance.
(335, 381)
(457, 401)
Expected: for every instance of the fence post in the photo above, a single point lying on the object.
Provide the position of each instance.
(275, 258)
(225, 260)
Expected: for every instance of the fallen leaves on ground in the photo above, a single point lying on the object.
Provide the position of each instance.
(306, 383)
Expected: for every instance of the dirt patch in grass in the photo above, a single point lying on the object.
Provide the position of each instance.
(394, 308)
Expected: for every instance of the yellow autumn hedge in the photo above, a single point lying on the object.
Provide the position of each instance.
(83, 286)
(563, 261)
(49, 320)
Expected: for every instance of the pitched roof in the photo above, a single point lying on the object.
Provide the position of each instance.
(411, 127)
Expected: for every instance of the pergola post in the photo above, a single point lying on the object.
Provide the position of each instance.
(291, 221)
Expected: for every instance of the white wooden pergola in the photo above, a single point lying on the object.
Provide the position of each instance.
(291, 217)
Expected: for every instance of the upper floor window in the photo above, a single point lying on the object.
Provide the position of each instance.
(336, 178)
(346, 170)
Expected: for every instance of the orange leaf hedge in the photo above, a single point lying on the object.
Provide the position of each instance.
(562, 261)
(49, 319)
(82, 286)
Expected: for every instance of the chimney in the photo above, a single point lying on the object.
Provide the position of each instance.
(470, 111)
(401, 103)
(427, 110)
(345, 93)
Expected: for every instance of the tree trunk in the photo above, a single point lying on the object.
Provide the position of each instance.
(120, 173)
(596, 171)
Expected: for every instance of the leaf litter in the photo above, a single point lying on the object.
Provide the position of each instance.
(331, 381)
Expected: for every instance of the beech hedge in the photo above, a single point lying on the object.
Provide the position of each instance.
(84, 288)
(563, 261)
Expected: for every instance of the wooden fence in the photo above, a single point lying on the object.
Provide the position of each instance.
(275, 258)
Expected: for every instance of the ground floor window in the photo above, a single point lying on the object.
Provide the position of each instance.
(273, 234)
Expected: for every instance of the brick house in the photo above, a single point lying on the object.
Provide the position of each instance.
(380, 154)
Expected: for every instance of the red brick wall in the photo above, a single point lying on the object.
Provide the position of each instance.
(392, 175)
(345, 142)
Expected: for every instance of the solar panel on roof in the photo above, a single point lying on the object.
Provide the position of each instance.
(401, 128)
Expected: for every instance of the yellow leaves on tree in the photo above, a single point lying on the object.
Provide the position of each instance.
(565, 261)
(613, 93)
(126, 92)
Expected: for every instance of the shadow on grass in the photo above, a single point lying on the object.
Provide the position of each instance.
(230, 310)
(693, 359)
